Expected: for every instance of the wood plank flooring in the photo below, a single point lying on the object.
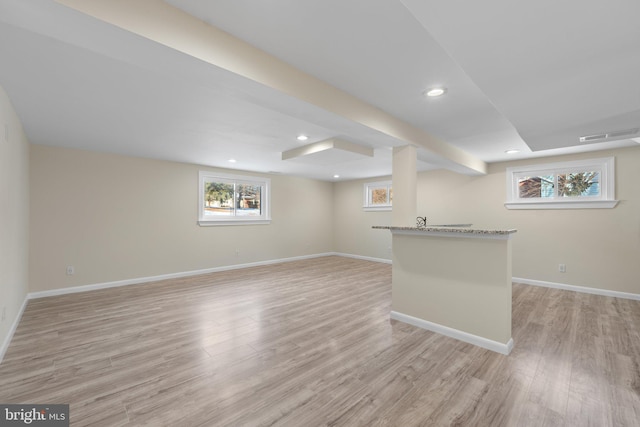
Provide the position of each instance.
(310, 343)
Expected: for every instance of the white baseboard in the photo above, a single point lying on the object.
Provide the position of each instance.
(365, 258)
(12, 330)
(496, 346)
(139, 280)
(454, 333)
(583, 289)
(574, 288)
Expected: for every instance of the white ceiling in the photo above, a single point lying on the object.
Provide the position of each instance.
(532, 76)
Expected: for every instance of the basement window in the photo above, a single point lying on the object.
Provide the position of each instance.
(233, 199)
(582, 184)
(378, 196)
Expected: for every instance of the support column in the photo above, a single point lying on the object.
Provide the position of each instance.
(405, 188)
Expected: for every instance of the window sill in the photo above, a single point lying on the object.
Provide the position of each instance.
(376, 208)
(582, 204)
(210, 223)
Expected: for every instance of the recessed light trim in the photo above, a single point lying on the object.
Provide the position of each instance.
(232, 160)
(302, 137)
(435, 92)
(336, 176)
(512, 151)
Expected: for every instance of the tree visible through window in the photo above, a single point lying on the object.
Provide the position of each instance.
(218, 198)
(225, 198)
(378, 195)
(577, 184)
(583, 184)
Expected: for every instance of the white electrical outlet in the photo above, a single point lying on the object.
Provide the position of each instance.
(70, 270)
(237, 252)
(4, 314)
(562, 268)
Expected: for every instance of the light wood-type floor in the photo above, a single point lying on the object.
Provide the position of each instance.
(310, 343)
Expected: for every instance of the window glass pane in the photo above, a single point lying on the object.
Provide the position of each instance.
(579, 184)
(535, 186)
(248, 200)
(218, 199)
(379, 196)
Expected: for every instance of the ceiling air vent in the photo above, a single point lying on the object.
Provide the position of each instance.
(610, 136)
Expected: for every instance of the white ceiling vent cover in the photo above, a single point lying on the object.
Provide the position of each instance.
(610, 136)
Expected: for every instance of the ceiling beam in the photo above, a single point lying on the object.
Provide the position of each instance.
(170, 26)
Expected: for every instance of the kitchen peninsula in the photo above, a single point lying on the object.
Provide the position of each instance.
(454, 280)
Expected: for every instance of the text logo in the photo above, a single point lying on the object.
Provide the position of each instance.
(34, 415)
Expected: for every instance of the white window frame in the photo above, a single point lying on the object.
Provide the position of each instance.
(606, 199)
(265, 199)
(368, 188)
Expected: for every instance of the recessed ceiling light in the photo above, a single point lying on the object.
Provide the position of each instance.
(232, 160)
(302, 137)
(512, 151)
(336, 176)
(435, 91)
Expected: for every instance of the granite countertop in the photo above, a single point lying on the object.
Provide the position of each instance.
(464, 229)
